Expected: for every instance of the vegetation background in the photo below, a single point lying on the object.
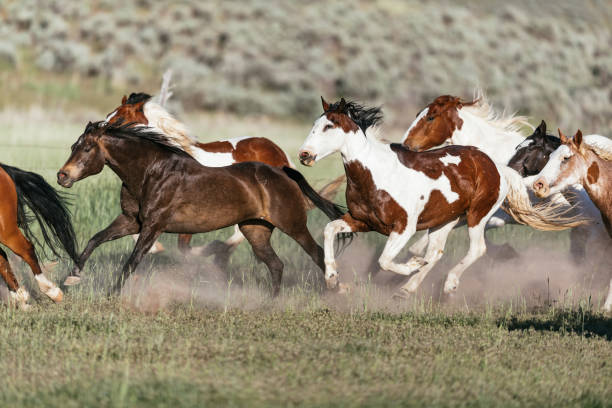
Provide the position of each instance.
(523, 332)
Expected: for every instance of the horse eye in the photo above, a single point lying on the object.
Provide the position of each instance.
(430, 118)
(327, 127)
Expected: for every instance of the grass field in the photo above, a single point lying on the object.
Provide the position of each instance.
(522, 332)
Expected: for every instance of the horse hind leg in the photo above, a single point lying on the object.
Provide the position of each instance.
(18, 296)
(258, 235)
(17, 243)
(221, 250)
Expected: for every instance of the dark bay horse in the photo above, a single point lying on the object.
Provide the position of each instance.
(21, 190)
(532, 154)
(141, 109)
(166, 190)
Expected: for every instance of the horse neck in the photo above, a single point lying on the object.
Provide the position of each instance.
(129, 159)
(370, 152)
(497, 143)
(600, 191)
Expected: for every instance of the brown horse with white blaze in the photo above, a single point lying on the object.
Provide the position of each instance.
(166, 190)
(141, 109)
(396, 192)
(19, 190)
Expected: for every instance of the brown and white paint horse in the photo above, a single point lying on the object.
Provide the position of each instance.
(140, 108)
(19, 190)
(586, 160)
(452, 120)
(396, 192)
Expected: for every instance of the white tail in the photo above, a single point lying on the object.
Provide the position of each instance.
(545, 216)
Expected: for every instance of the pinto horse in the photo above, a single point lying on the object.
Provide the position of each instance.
(20, 190)
(452, 120)
(140, 109)
(165, 190)
(396, 192)
(586, 160)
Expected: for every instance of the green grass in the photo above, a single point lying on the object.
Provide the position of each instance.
(187, 334)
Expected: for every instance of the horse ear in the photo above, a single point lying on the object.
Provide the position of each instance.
(124, 99)
(325, 104)
(542, 129)
(342, 106)
(563, 138)
(578, 138)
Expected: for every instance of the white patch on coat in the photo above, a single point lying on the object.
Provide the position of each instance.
(234, 141)
(450, 159)
(110, 116)
(212, 159)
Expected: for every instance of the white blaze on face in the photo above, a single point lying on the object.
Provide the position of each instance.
(414, 123)
(526, 143)
(324, 139)
(554, 167)
(449, 159)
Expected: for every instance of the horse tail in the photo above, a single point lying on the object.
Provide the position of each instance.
(545, 216)
(48, 207)
(328, 191)
(330, 209)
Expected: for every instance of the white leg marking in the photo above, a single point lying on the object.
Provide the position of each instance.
(331, 230)
(394, 245)
(435, 250)
(418, 248)
(20, 298)
(236, 238)
(49, 288)
(477, 249)
(608, 304)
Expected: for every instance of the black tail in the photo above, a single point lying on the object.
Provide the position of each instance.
(49, 209)
(330, 209)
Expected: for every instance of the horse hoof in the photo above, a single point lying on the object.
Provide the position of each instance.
(72, 280)
(343, 289)
(55, 294)
(332, 282)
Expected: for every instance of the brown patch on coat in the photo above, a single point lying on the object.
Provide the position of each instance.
(369, 205)
(257, 149)
(593, 173)
(127, 113)
(438, 125)
(343, 121)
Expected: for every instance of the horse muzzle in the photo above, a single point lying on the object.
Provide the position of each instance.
(307, 158)
(541, 188)
(64, 180)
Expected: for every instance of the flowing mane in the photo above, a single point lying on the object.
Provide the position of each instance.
(175, 130)
(600, 145)
(363, 116)
(505, 122)
(129, 131)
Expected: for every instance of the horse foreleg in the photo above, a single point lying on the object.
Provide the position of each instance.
(122, 225)
(346, 224)
(396, 242)
(148, 235)
(418, 248)
(157, 247)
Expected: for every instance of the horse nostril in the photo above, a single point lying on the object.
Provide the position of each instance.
(61, 175)
(304, 155)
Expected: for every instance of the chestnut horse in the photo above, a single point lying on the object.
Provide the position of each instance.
(452, 120)
(586, 160)
(140, 109)
(20, 190)
(166, 190)
(396, 192)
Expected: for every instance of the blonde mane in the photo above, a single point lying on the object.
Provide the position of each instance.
(600, 145)
(175, 130)
(505, 122)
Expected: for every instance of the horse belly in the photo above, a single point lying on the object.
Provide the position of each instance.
(439, 211)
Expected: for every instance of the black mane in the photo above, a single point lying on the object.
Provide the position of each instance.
(130, 131)
(137, 98)
(363, 116)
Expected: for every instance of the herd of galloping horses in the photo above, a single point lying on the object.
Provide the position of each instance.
(459, 163)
